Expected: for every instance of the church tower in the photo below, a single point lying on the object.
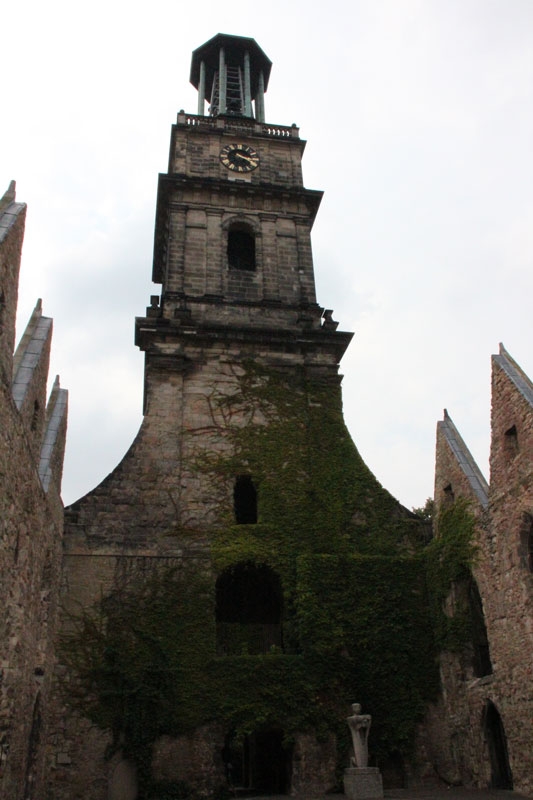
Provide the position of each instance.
(232, 236)
(218, 557)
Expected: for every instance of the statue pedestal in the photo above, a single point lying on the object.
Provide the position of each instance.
(363, 784)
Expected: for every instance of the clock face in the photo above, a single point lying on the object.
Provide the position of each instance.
(239, 157)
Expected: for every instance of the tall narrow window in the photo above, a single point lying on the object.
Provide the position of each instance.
(245, 501)
(241, 248)
(526, 541)
(35, 415)
(2, 309)
(481, 662)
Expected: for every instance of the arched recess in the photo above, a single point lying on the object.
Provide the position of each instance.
(249, 608)
(33, 750)
(258, 763)
(501, 775)
(481, 662)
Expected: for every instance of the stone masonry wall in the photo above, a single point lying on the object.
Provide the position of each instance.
(30, 548)
(131, 523)
(451, 743)
(510, 601)
(156, 508)
(195, 151)
(31, 525)
(197, 250)
(455, 737)
(10, 253)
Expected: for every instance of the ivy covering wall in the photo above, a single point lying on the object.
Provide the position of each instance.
(357, 622)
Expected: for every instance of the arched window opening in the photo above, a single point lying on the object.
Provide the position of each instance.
(501, 775)
(241, 248)
(481, 662)
(249, 606)
(511, 442)
(245, 501)
(2, 309)
(448, 496)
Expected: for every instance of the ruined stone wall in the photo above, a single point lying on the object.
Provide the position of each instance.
(12, 221)
(457, 737)
(510, 601)
(159, 508)
(450, 745)
(30, 548)
(136, 521)
(31, 523)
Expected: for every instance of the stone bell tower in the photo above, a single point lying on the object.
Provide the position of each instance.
(233, 253)
(232, 237)
(241, 468)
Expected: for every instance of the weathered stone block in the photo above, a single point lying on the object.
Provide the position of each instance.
(363, 783)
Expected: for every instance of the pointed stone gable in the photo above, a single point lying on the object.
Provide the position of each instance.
(456, 471)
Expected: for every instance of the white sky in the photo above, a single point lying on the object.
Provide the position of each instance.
(419, 121)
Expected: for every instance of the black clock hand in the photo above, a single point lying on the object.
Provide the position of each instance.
(248, 159)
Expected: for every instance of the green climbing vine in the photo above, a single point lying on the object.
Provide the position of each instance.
(131, 668)
(352, 563)
(449, 560)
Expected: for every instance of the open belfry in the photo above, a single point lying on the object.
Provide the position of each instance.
(240, 608)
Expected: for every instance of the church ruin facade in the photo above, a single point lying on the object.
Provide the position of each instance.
(241, 578)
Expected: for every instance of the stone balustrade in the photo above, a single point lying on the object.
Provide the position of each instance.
(241, 125)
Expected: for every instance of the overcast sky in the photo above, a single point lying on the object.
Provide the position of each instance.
(419, 120)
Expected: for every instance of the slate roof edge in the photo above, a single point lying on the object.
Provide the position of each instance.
(465, 459)
(9, 210)
(515, 373)
(56, 411)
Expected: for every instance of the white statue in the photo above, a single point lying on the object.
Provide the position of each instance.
(359, 725)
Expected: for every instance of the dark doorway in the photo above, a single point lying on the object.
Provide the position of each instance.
(258, 764)
(501, 776)
(249, 607)
(270, 763)
(393, 771)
